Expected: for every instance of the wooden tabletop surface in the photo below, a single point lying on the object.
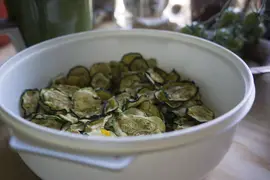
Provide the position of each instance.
(247, 159)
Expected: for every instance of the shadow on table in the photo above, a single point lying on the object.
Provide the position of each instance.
(11, 165)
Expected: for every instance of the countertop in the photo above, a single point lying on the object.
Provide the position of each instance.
(247, 159)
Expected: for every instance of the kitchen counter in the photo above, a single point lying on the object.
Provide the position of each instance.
(247, 159)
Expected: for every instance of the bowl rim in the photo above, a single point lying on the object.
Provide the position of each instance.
(59, 41)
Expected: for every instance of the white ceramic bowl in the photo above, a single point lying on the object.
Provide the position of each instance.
(226, 85)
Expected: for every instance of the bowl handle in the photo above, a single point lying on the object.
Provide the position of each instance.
(115, 163)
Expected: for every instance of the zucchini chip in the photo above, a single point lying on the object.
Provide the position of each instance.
(200, 113)
(128, 82)
(154, 77)
(29, 102)
(150, 94)
(103, 68)
(97, 128)
(152, 63)
(144, 90)
(94, 125)
(108, 124)
(123, 67)
(60, 79)
(180, 91)
(162, 73)
(180, 112)
(150, 109)
(128, 58)
(138, 64)
(103, 94)
(162, 97)
(122, 100)
(183, 123)
(44, 109)
(100, 81)
(78, 76)
(137, 102)
(135, 111)
(135, 125)
(55, 100)
(69, 118)
(67, 89)
(86, 103)
(116, 71)
(173, 77)
(73, 128)
(50, 121)
(111, 105)
(196, 100)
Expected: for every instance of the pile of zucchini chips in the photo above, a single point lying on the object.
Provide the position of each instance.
(130, 97)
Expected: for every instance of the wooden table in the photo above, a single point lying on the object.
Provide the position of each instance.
(247, 159)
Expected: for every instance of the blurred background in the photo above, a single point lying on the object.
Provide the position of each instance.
(226, 19)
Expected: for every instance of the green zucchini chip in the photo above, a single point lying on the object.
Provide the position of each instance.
(183, 123)
(180, 91)
(100, 81)
(111, 105)
(115, 69)
(149, 93)
(69, 118)
(41, 110)
(67, 89)
(78, 71)
(103, 94)
(196, 100)
(86, 103)
(128, 58)
(144, 90)
(138, 64)
(73, 128)
(29, 102)
(122, 100)
(135, 111)
(117, 128)
(180, 112)
(173, 76)
(80, 81)
(152, 63)
(161, 72)
(85, 121)
(123, 67)
(128, 81)
(108, 124)
(55, 100)
(44, 109)
(154, 77)
(78, 76)
(162, 97)
(60, 79)
(103, 68)
(150, 109)
(200, 113)
(50, 121)
(174, 104)
(128, 73)
(135, 125)
(136, 102)
(98, 127)
(94, 125)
